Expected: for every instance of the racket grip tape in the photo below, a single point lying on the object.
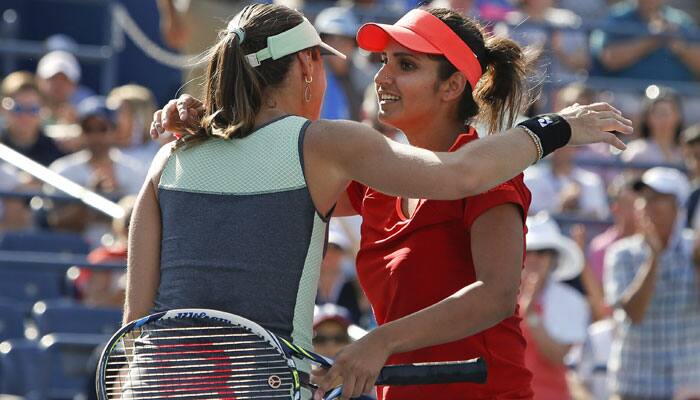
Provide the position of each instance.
(473, 371)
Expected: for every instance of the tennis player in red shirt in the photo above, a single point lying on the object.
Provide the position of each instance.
(452, 267)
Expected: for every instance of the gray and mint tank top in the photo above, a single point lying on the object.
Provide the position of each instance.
(240, 232)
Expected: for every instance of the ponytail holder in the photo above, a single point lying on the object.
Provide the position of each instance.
(236, 30)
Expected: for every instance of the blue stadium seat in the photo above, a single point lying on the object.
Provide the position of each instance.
(20, 363)
(27, 285)
(44, 241)
(11, 320)
(66, 360)
(68, 316)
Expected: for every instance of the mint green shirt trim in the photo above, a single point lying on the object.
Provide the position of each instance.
(266, 161)
(308, 286)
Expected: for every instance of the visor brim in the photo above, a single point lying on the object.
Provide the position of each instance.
(327, 49)
(375, 37)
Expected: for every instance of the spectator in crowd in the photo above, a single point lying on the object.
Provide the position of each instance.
(621, 196)
(100, 167)
(134, 105)
(191, 26)
(331, 323)
(345, 81)
(652, 282)
(661, 123)
(691, 153)
(59, 81)
(555, 316)
(21, 108)
(563, 187)
(106, 287)
(647, 39)
(334, 286)
(590, 11)
(580, 93)
(590, 360)
(14, 214)
(563, 51)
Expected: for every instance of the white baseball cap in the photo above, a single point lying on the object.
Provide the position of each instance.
(665, 180)
(59, 61)
(543, 233)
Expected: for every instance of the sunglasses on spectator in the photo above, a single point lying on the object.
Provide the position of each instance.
(17, 108)
(323, 339)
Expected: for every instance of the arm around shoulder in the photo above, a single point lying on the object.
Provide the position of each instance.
(353, 151)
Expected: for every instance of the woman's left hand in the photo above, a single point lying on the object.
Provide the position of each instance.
(356, 366)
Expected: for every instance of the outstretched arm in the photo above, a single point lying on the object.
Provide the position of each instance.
(340, 151)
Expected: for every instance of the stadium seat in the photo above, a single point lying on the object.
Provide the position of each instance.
(68, 362)
(26, 284)
(11, 320)
(44, 241)
(20, 363)
(68, 316)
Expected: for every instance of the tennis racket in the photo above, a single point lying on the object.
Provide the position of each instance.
(207, 354)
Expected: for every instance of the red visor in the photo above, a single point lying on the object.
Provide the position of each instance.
(423, 32)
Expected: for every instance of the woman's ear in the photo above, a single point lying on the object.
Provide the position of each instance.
(306, 62)
(453, 88)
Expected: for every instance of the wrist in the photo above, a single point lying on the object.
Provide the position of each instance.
(552, 130)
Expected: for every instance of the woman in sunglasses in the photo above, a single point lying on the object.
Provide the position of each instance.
(460, 258)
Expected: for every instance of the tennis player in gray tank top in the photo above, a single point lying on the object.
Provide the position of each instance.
(248, 242)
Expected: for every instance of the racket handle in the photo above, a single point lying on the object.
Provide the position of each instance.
(473, 371)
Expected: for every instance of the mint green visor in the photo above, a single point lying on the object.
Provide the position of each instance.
(291, 41)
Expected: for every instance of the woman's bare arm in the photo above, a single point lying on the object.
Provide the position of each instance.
(336, 152)
(143, 266)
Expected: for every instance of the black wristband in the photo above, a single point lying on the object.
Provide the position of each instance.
(553, 130)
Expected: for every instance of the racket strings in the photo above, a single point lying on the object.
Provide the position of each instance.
(207, 362)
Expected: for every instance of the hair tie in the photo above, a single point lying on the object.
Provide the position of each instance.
(238, 31)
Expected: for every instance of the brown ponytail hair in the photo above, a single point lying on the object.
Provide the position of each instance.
(502, 92)
(234, 90)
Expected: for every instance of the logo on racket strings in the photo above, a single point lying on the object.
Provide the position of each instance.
(274, 381)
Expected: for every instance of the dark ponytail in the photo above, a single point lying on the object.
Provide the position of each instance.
(233, 89)
(502, 92)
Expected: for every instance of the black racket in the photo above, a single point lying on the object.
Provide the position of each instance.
(207, 354)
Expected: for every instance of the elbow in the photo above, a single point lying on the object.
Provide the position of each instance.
(505, 303)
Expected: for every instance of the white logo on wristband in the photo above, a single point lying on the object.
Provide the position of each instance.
(544, 121)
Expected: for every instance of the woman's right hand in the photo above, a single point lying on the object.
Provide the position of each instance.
(598, 122)
(180, 116)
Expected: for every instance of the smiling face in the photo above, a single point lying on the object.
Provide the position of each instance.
(406, 86)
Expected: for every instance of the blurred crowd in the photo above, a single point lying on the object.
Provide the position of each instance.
(610, 295)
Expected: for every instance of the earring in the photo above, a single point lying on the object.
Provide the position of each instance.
(307, 88)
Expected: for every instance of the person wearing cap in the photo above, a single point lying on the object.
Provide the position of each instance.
(262, 72)
(652, 282)
(100, 167)
(555, 315)
(331, 323)
(345, 80)
(59, 80)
